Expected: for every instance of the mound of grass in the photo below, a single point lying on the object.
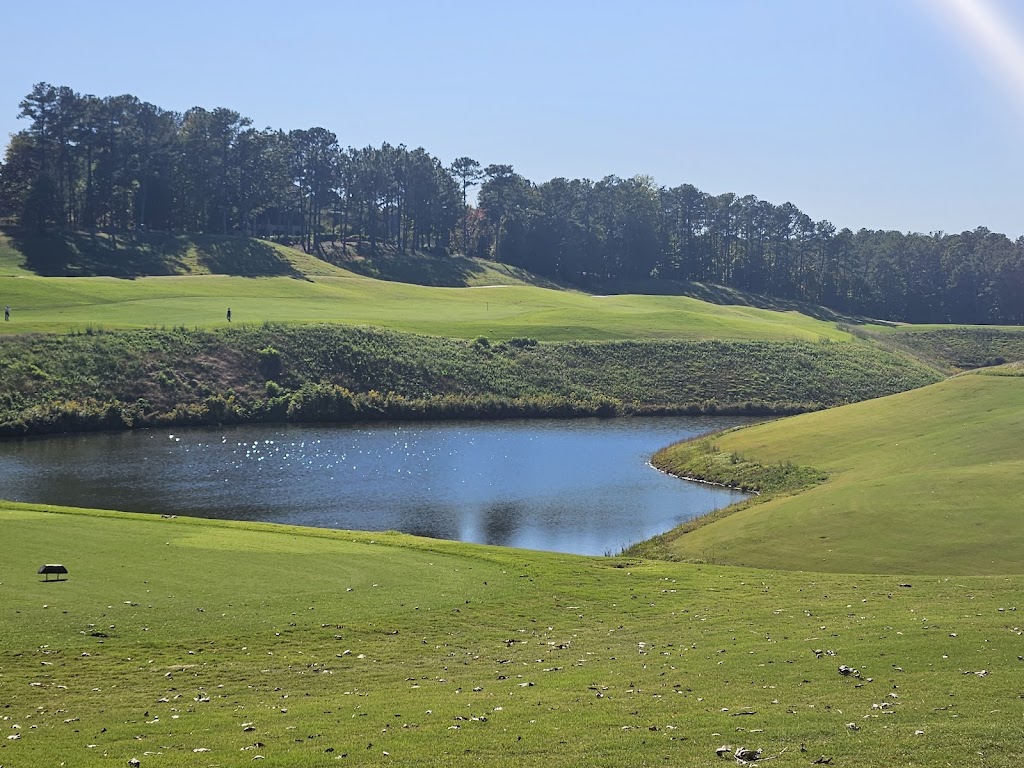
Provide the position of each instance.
(720, 294)
(104, 380)
(81, 254)
(927, 481)
(191, 280)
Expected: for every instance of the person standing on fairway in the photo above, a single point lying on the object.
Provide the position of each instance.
(229, 314)
(7, 312)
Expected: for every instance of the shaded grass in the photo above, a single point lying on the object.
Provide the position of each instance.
(953, 348)
(927, 481)
(175, 635)
(421, 268)
(138, 254)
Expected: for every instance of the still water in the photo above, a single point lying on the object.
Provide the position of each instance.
(581, 486)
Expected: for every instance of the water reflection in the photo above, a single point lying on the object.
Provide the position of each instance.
(572, 486)
(501, 520)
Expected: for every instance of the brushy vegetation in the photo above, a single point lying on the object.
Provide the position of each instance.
(927, 481)
(703, 460)
(105, 380)
(182, 642)
(952, 348)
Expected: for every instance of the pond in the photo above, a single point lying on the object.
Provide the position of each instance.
(581, 486)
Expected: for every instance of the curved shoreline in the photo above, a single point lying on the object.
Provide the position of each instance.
(763, 482)
(688, 479)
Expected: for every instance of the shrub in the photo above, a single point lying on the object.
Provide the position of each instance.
(321, 402)
(270, 363)
(522, 342)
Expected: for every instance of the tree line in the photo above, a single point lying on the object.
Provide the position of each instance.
(119, 165)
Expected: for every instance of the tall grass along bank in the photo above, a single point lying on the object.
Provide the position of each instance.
(110, 380)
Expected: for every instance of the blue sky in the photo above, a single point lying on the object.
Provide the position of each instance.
(885, 114)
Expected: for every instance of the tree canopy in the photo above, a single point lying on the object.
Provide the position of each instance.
(119, 165)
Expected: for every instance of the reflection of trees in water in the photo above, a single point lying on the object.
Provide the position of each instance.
(436, 521)
(501, 520)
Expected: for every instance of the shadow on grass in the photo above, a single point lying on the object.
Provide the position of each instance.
(61, 253)
(80, 254)
(242, 256)
(423, 269)
(722, 295)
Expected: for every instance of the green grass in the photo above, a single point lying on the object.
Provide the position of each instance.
(165, 280)
(953, 347)
(72, 363)
(311, 647)
(176, 635)
(421, 268)
(928, 481)
(59, 305)
(52, 382)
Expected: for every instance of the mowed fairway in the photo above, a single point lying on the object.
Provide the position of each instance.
(194, 643)
(61, 304)
(928, 481)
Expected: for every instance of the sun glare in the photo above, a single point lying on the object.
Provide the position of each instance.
(992, 36)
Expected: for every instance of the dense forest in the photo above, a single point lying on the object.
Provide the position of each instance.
(119, 165)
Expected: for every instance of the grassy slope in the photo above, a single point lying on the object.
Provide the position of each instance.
(954, 347)
(165, 369)
(57, 305)
(173, 368)
(927, 481)
(210, 626)
(179, 635)
(202, 278)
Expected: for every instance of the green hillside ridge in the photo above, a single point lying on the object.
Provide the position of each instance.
(97, 351)
(927, 481)
(192, 280)
(183, 642)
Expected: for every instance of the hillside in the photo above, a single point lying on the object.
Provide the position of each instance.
(951, 347)
(191, 281)
(104, 380)
(927, 481)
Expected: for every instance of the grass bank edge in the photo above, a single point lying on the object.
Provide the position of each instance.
(277, 373)
(341, 536)
(924, 481)
(669, 650)
(701, 460)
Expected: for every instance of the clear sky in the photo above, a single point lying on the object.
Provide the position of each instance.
(885, 114)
